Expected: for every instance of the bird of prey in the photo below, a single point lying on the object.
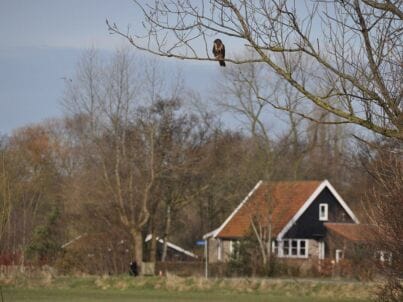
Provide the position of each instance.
(219, 51)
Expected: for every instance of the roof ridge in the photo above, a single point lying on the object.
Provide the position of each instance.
(302, 180)
(349, 223)
(343, 223)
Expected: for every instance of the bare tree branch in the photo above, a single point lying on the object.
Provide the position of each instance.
(357, 56)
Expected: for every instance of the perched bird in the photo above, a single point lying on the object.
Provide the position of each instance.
(219, 51)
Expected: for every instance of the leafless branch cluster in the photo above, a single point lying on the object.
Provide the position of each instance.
(353, 48)
(384, 209)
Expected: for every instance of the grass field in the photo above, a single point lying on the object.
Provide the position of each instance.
(146, 295)
(46, 287)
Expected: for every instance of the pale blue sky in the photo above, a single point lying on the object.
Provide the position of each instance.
(61, 23)
(41, 41)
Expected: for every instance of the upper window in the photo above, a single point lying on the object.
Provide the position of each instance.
(323, 212)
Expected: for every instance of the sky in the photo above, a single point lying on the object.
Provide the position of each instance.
(41, 42)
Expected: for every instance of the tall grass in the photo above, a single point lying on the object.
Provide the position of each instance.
(318, 288)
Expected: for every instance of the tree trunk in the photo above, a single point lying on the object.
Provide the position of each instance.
(261, 240)
(138, 248)
(166, 232)
(153, 243)
(268, 247)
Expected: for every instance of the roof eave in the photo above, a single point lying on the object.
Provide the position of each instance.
(210, 234)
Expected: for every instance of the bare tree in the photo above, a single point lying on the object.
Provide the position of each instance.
(356, 71)
(238, 93)
(5, 193)
(29, 183)
(274, 134)
(107, 96)
(174, 135)
(262, 225)
(384, 208)
(123, 136)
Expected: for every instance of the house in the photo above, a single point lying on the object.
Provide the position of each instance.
(297, 214)
(174, 252)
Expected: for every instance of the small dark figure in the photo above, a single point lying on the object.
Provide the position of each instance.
(133, 269)
(219, 51)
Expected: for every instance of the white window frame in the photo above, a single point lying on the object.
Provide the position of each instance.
(339, 255)
(287, 244)
(231, 247)
(321, 250)
(325, 216)
(384, 256)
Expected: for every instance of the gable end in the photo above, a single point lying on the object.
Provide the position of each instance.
(324, 185)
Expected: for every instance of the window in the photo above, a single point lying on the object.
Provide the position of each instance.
(294, 248)
(234, 249)
(302, 248)
(274, 247)
(339, 255)
(323, 211)
(286, 246)
(384, 256)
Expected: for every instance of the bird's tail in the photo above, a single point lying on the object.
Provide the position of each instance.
(222, 63)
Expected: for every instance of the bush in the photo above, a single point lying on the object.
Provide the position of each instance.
(390, 291)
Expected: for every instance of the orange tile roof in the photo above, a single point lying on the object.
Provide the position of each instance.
(352, 231)
(278, 200)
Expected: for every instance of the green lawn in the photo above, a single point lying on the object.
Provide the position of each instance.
(12, 294)
(47, 288)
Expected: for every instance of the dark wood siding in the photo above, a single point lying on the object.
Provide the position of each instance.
(309, 226)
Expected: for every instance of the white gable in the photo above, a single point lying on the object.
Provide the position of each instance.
(308, 202)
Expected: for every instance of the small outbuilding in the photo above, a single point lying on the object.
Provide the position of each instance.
(174, 252)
